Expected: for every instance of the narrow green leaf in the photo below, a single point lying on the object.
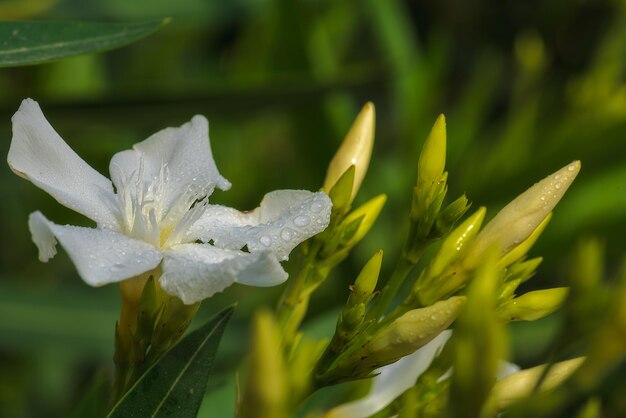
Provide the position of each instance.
(174, 386)
(34, 42)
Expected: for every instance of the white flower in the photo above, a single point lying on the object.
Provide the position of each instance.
(155, 210)
(394, 379)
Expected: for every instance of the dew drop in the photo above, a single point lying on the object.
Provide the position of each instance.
(557, 186)
(558, 176)
(265, 241)
(316, 207)
(572, 167)
(287, 234)
(302, 220)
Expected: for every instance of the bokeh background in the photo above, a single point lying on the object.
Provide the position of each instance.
(526, 86)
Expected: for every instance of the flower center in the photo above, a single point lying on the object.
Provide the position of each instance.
(154, 212)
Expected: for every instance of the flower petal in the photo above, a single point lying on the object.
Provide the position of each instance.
(392, 381)
(101, 256)
(40, 155)
(194, 272)
(284, 219)
(184, 153)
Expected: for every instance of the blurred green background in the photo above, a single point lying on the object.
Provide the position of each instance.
(527, 86)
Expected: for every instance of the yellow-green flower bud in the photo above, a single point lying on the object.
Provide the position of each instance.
(365, 283)
(360, 294)
(521, 250)
(356, 150)
(369, 211)
(411, 331)
(534, 305)
(432, 159)
(456, 242)
(522, 270)
(521, 384)
(266, 389)
(517, 220)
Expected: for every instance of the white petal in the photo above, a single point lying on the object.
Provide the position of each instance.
(101, 256)
(185, 152)
(392, 381)
(507, 369)
(284, 219)
(194, 272)
(38, 154)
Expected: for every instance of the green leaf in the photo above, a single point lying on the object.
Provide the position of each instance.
(34, 42)
(174, 386)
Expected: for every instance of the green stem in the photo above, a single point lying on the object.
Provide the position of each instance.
(294, 302)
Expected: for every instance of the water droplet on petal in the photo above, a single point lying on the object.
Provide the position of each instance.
(287, 234)
(302, 220)
(316, 207)
(265, 241)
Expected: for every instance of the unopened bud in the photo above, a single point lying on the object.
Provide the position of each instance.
(517, 220)
(365, 283)
(534, 305)
(521, 384)
(356, 150)
(522, 249)
(456, 242)
(411, 331)
(369, 211)
(432, 159)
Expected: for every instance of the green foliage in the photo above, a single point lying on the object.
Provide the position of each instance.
(35, 42)
(280, 82)
(174, 386)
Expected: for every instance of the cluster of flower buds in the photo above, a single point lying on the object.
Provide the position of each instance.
(429, 222)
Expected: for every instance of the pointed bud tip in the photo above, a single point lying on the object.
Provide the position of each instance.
(432, 159)
(356, 149)
(369, 109)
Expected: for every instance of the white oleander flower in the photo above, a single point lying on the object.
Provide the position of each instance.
(155, 210)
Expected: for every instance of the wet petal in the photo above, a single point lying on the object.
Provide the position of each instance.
(40, 155)
(194, 272)
(284, 219)
(182, 155)
(101, 256)
(392, 381)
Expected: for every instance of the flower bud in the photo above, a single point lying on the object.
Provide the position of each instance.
(522, 249)
(456, 242)
(517, 220)
(522, 270)
(356, 150)
(534, 305)
(411, 331)
(432, 159)
(369, 211)
(521, 384)
(365, 283)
